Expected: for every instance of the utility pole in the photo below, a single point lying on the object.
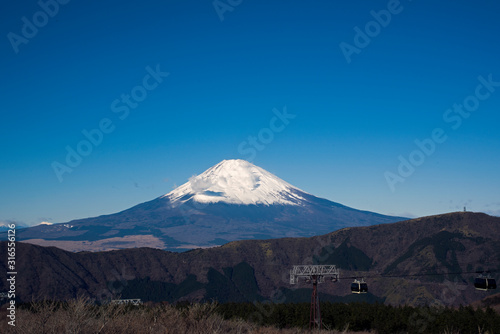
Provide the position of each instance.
(314, 274)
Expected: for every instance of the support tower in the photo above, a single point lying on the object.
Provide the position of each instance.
(314, 274)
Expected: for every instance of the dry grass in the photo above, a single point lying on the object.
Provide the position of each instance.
(80, 316)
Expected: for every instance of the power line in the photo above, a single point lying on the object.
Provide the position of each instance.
(415, 275)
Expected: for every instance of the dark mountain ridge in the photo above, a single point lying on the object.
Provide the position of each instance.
(429, 260)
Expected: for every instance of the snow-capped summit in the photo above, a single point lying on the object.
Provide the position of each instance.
(236, 182)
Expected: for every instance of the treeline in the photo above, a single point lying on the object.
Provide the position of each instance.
(369, 317)
(84, 316)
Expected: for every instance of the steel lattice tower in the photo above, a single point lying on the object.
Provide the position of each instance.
(315, 312)
(314, 274)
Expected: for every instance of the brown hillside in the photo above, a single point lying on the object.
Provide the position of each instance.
(387, 255)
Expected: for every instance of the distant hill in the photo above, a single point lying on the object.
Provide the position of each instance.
(428, 260)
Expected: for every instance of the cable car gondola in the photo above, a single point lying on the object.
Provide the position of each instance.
(359, 286)
(485, 283)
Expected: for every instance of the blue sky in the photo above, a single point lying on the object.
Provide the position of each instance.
(167, 89)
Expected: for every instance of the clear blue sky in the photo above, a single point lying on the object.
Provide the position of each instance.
(359, 101)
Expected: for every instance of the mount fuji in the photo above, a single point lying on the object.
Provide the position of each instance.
(237, 182)
(233, 200)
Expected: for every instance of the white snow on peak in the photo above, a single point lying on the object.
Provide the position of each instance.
(236, 182)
